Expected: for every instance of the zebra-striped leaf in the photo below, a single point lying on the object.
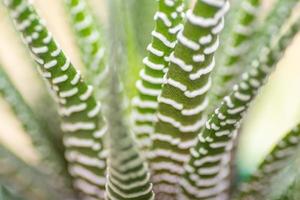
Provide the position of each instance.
(89, 37)
(168, 24)
(83, 125)
(128, 175)
(239, 46)
(183, 99)
(276, 19)
(208, 169)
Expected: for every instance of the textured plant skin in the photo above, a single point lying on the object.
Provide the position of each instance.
(276, 160)
(48, 153)
(89, 37)
(209, 166)
(168, 24)
(79, 110)
(128, 175)
(181, 153)
(230, 65)
(278, 16)
(183, 98)
(238, 47)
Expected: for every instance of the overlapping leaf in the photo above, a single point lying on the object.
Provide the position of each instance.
(183, 99)
(208, 169)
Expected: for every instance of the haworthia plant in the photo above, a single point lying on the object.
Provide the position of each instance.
(90, 39)
(175, 149)
(278, 16)
(208, 169)
(241, 42)
(168, 24)
(239, 46)
(183, 98)
(276, 160)
(128, 175)
(79, 110)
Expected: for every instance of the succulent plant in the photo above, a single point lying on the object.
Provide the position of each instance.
(178, 137)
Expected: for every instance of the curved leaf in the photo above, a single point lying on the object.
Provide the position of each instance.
(83, 126)
(237, 48)
(183, 99)
(128, 175)
(168, 24)
(29, 180)
(47, 150)
(275, 161)
(89, 39)
(209, 167)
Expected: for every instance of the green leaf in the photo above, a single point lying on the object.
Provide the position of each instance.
(5, 194)
(237, 47)
(287, 187)
(128, 175)
(183, 99)
(168, 24)
(90, 40)
(244, 41)
(141, 16)
(28, 180)
(209, 167)
(83, 126)
(274, 162)
(47, 150)
(275, 20)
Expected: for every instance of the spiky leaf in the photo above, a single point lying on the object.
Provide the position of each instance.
(89, 37)
(208, 169)
(238, 47)
(128, 175)
(183, 98)
(168, 24)
(83, 125)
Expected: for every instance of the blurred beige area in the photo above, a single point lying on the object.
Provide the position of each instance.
(275, 111)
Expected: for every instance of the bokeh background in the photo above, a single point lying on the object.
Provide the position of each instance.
(274, 112)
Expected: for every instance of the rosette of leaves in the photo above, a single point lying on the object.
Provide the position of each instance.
(180, 144)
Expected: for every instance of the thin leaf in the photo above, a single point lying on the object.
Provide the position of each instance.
(274, 162)
(29, 181)
(209, 167)
(237, 48)
(128, 175)
(183, 99)
(83, 125)
(141, 15)
(47, 150)
(168, 24)
(275, 20)
(89, 37)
